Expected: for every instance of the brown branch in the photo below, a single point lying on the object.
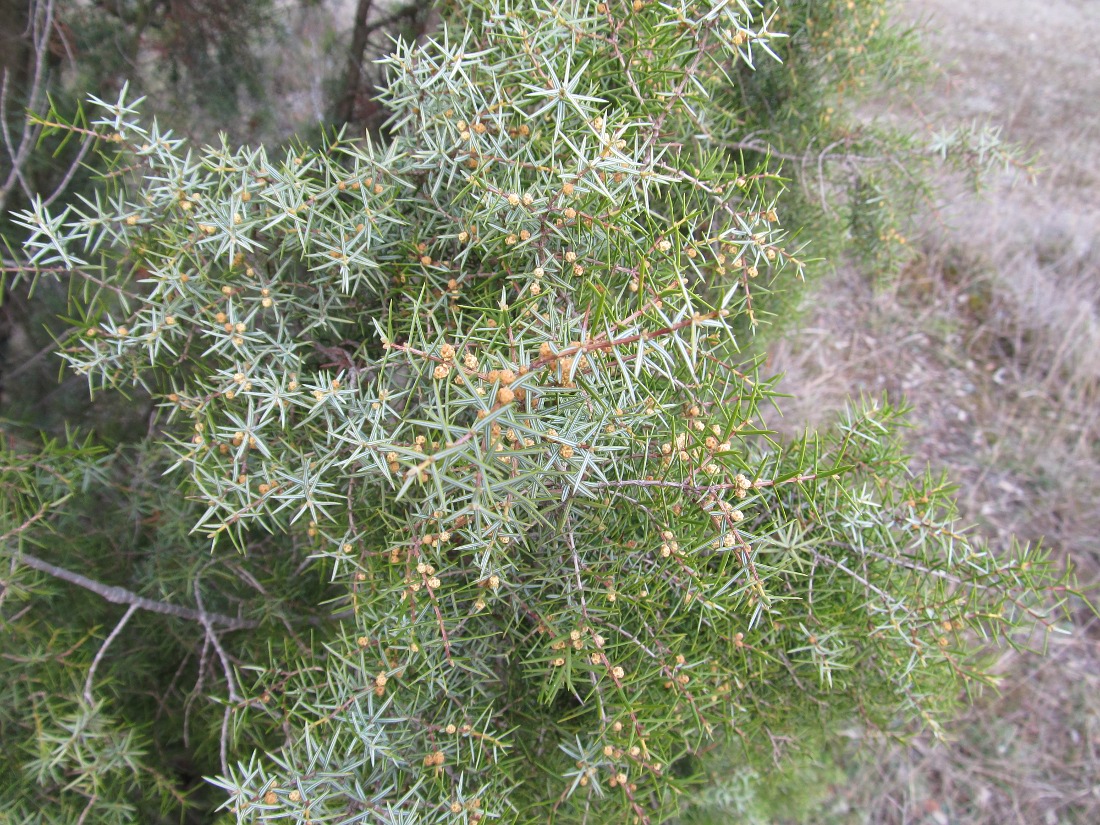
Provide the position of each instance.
(353, 73)
(120, 595)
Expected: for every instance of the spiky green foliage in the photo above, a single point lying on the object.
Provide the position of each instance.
(854, 180)
(467, 514)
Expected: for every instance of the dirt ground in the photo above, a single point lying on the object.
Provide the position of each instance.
(993, 335)
(1031, 65)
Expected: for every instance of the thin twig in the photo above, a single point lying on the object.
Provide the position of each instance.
(130, 611)
(227, 669)
(59, 190)
(41, 23)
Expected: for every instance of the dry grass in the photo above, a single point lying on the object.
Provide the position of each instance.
(1005, 397)
(993, 335)
(995, 346)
